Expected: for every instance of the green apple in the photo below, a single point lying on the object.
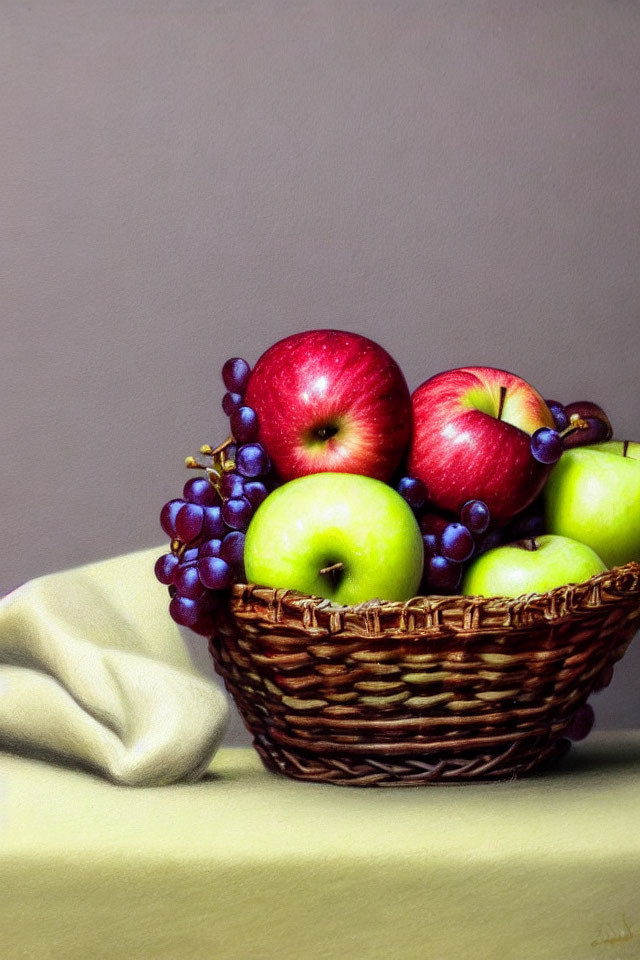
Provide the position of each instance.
(336, 535)
(531, 566)
(593, 495)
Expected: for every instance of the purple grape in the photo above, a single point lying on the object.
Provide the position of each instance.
(492, 538)
(235, 375)
(237, 513)
(189, 520)
(210, 548)
(591, 422)
(215, 573)
(232, 485)
(232, 549)
(252, 461)
(255, 492)
(168, 517)
(546, 445)
(475, 515)
(165, 568)
(190, 555)
(231, 402)
(206, 624)
(559, 414)
(443, 574)
(433, 523)
(244, 424)
(188, 582)
(413, 491)
(213, 526)
(581, 723)
(186, 611)
(595, 431)
(431, 544)
(199, 490)
(525, 525)
(456, 542)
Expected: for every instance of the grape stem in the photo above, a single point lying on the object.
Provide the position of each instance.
(219, 463)
(575, 423)
(222, 446)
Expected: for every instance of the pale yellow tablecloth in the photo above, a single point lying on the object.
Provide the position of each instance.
(247, 865)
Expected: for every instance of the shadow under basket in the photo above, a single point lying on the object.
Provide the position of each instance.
(434, 690)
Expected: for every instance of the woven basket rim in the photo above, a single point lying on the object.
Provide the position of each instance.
(434, 689)
(557, 604)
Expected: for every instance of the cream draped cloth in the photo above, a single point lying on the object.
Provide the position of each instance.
(94, 672)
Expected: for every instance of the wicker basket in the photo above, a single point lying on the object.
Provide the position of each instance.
(438, 689)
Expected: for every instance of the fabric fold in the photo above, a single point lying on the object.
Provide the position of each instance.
(93, 671)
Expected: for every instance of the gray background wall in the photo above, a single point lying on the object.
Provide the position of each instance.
(184, 181)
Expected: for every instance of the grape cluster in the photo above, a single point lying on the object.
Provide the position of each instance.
(448, 542)
(207, 525)
(576, 425)
(527, 524)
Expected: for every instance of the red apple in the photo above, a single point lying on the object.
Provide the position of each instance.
(330, 401)
(471, 440)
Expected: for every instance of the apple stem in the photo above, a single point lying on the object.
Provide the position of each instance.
(530, 543)
(625, 447)
(333, 568)
(503, 395)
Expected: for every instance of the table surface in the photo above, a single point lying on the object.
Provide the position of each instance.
(249, 864)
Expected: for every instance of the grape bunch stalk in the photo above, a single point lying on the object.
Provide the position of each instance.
(207, 525)
(576, 425)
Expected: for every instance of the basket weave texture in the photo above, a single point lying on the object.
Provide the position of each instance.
(434, 690)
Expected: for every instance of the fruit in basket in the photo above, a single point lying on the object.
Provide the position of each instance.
(559, 414)
(333, 408)
(206, 527)
(527, 566)
(588, 424)
(341, 536)
(528, 523)
(476, 516)
(472, 432)
(593, 495)
(449, 543)
(413, 491)
(328, 400)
